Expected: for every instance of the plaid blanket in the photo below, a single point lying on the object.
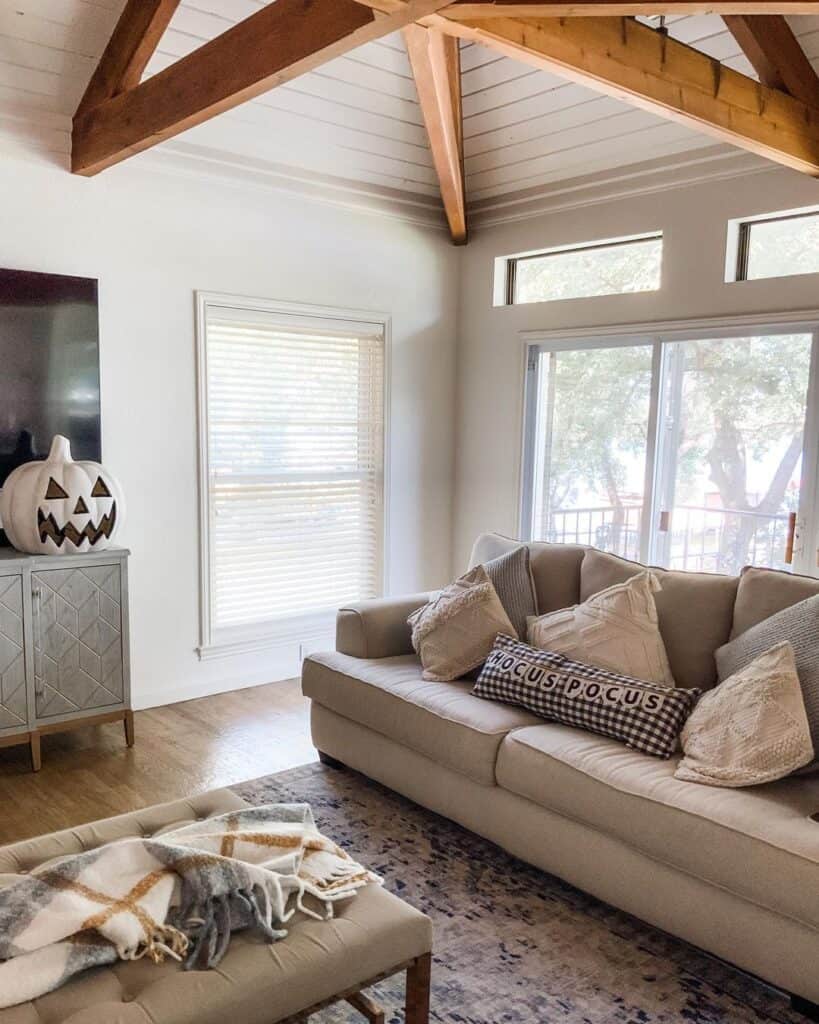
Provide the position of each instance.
(180, 894)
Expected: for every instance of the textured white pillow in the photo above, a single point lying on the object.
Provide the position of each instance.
(752, 728)
(616, 629)
(455, 632)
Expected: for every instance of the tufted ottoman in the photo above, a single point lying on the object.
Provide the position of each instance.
(372, 936)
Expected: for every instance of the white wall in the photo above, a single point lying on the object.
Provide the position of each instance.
(152, 240)
(490, 350)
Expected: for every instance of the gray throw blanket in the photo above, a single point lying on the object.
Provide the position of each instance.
(180, 895)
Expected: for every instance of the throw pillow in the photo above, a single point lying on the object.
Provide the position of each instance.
(616, 629)
(750, 729)
(454, 632)
(642, 715)
(799, 625)
(511, 576)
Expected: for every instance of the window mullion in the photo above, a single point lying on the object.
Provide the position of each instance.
(649, 514)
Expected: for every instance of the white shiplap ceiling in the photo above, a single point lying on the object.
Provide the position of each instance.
(356, 118)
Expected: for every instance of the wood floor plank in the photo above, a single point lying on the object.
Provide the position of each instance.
(180, 749)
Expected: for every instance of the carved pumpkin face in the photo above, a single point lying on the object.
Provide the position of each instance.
(61, 506)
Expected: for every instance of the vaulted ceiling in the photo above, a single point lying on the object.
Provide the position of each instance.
(357, 117)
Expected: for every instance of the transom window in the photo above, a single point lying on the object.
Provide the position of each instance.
(691, 452)
(776, 246)
(607, 267)
(292, 449)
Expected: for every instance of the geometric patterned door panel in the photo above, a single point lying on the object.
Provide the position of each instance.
(13, 711)
(77, 639)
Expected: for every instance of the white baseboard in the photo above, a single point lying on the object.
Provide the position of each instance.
(157, 698)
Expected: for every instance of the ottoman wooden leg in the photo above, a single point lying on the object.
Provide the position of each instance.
(418, 986)
(367, 1007)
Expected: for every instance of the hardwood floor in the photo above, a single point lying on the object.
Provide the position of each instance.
(180, 749)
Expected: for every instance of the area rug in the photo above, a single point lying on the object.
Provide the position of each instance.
(514, 945)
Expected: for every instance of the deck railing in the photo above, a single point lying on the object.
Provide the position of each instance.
(699, 538)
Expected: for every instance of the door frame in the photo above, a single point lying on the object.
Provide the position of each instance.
(659, 335)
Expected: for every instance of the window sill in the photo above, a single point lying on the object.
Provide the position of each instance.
(306, 633)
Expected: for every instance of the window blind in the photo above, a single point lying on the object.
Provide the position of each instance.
(295, 439)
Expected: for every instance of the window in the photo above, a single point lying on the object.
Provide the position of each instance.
(611, 267)
(292, 449)
(694, 453)
(777, 246)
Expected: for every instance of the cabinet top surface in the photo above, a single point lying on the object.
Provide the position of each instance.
(10, 557)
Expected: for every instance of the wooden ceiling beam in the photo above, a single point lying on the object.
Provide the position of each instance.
(775, 54)
(281, 41)
(436, 65)
(132, 44)
(473, 9)
(625, 59)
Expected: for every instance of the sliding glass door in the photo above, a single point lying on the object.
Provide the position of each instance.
(691, 452)
(590, 447)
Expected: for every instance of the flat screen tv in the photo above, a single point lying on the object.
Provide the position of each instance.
(49, 366)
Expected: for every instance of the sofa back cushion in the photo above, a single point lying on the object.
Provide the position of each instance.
(555, 568)
(764, 592)
(695, 611)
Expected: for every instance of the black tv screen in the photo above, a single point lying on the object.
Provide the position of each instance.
(49, 366)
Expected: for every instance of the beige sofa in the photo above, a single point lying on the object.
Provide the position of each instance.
(735, 872)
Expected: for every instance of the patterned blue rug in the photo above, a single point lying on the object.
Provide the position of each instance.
(514, 945)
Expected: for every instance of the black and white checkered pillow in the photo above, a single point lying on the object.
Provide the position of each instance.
(642, 715)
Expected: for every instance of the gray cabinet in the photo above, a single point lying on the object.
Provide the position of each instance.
(13, 704)
(63, 644)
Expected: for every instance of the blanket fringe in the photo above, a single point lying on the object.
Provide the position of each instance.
(164, 941)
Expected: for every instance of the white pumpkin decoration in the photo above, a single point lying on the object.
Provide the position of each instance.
(60, 506)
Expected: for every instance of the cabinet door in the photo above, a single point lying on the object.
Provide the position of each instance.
(77, 640)
(13, 710)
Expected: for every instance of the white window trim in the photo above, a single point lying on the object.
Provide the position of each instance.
(309, 627)
(656, 335)
(500, 281)
(732, 242)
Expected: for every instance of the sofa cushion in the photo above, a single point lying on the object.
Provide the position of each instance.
(615, 629)
(642, 715)
(454, 632)
(799, 625)
(695, 610)
(442, 720)
(758, 843)
(555, 567)
(764, 592)
(511, 576)
(750, 729)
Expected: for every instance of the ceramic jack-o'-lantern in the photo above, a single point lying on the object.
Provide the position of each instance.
(61, 507)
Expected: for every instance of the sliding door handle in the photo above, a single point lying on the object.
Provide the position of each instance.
(790, 538)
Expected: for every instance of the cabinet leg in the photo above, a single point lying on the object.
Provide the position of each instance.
(128, 722)
(34, 748)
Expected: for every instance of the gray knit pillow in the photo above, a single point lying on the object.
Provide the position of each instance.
(511, 576)
(799, 625)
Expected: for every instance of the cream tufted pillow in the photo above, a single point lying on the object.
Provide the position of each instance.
(455, 632)
(750, 729)
(616, 629)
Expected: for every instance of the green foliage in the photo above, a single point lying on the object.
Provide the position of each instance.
(742, 412)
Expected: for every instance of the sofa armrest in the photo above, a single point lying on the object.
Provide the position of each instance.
(379, 628)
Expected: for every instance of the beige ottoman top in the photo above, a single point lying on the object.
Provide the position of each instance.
(255, 983)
